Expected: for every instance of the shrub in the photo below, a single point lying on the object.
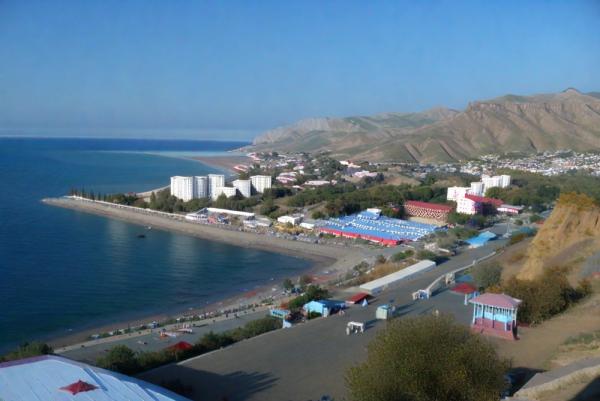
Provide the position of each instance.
(27, 350)
(120, 358)
(487, 275)
(545, 296)
(427, 358)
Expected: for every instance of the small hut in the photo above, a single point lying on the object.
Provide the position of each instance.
(495, 315)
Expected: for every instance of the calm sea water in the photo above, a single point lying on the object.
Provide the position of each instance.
(62, 270)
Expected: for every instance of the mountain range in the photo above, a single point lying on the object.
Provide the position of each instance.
(511, 123)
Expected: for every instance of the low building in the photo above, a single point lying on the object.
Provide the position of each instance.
(243, 215)
(510, 209)
(433, 211)
(293, 220)
(370, 225)
(481, 239)
(473, 204)
(495, 315)
(227, 191)
(50, 377)
(391, 280)
(325, 307)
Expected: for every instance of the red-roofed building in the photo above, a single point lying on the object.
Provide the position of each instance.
(434, 211)
(357, 298)
(180, 346)
(473, 204)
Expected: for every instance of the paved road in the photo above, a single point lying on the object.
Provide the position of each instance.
(153, 342)
(308, 360)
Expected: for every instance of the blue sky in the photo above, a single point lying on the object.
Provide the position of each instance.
(228, 69)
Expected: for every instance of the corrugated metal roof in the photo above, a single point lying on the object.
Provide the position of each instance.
(41, 379)
(499, 300)
(397, 276)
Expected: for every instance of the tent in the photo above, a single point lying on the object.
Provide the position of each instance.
(180, 346)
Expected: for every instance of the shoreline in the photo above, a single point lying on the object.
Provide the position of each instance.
(224, 163)
(327, 262)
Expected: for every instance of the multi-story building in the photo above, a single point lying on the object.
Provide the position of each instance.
(456, 193)
(261, 182)
(505, 181)
(227, 191)
(476, 188)
(201, 187)
(215, 181)
(182, 187)
(244, 187)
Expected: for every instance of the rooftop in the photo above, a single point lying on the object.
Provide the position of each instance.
(53, 378)
(498, 300)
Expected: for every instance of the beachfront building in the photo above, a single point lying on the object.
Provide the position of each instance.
(244, 187)
(50, 377)
(425, 210)
(201, 186)
(370, 225)
(215, 181)
(495, 315)
(182, 187)
(261, 182)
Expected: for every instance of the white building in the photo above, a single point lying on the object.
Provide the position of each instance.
(505, 181)
(215, 181)
(244, 186)
(476, 188)
(182, 187)
(456, 193)
(466, 206)
(293, 220)
(227, 191)
(261, 182)
(55, 378)
(200, 187)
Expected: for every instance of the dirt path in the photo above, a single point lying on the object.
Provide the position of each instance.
(538, 345)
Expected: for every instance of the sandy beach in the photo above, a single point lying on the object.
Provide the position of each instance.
(327, 260)
(224, 162)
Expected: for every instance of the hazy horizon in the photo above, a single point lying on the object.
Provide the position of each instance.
(233, 70)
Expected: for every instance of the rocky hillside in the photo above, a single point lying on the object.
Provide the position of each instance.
(569, 119)
(571, 233)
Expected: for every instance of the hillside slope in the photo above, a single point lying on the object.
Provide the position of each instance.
(568, 119)
(571, 233)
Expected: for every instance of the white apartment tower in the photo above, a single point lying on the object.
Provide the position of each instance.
(201, 187)
(182, 187)
(476, 188)
(215, 181)
(244, 186)
(261, 182)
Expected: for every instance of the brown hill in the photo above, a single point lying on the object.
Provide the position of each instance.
(571, 233)
(568, 119)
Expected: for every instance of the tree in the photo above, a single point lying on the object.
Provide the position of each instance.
(487, 275)
(27, 350)
(119, 358)
(427, 358)
(287, 284)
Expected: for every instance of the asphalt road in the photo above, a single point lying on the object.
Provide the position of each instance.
(308, 361)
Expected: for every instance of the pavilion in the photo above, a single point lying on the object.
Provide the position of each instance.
(495, 315)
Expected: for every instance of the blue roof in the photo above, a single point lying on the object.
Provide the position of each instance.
(384, 227)
(41, 378)
(481, 239)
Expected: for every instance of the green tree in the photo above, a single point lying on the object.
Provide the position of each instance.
(120, 358)
(27, 350)
(427, 358)
(487, 275)
(287, 284)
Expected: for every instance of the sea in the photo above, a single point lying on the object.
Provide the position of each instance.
(63, 270)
